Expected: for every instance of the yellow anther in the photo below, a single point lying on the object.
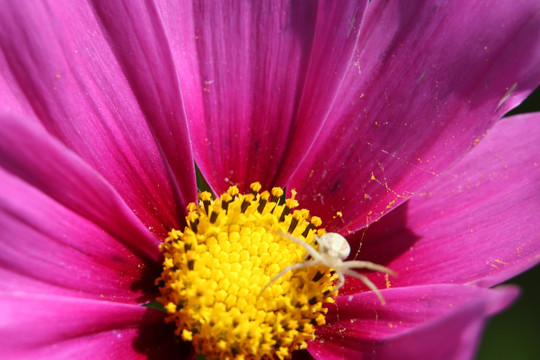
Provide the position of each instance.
(192, 216)
(187, 335)
(291, 203)
(233, 190)
(277, 192)
(191, 207)
(174, 234)
(205, 196)
(256, 186)
(226, 197)
(315, 220)
(170, 307)
(265, 195)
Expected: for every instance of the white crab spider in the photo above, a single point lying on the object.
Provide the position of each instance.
(333, 249)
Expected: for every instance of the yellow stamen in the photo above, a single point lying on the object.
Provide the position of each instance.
(215, 269)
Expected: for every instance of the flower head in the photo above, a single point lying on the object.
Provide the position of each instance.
(382, 117)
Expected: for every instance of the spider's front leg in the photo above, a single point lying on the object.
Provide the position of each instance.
(309, 249)
(340, 282)
(358, 264)
(366, 282)
(299, 265)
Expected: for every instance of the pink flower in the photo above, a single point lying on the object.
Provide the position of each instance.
(362, 107)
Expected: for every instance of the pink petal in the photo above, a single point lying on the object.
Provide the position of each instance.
(423, 322)
(428, 80)
(242, 69)
(52, 327)
(59, 66)
(137, 36)
(46, 247)
(475, 225)
(31, 154)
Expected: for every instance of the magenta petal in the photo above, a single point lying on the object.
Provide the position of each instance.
(51, 327)
(428, 80)
(423, 322)
(46, 247)
(242, 69)
(58, 65)
(137, 36)
(478, 223)
(31, 154)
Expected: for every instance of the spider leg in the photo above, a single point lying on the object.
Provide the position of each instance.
(310, 249)
(299, 265)
(367, 282)
(340, 282)
(368, 265)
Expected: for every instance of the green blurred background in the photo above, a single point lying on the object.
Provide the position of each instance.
(515, 334)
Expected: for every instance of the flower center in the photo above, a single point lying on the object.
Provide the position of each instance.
(215, 270)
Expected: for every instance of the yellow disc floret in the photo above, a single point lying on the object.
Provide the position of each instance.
(215, 269)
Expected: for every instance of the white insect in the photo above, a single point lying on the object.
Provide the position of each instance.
(333, 249)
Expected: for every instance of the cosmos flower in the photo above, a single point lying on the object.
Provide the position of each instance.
(383, 116)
